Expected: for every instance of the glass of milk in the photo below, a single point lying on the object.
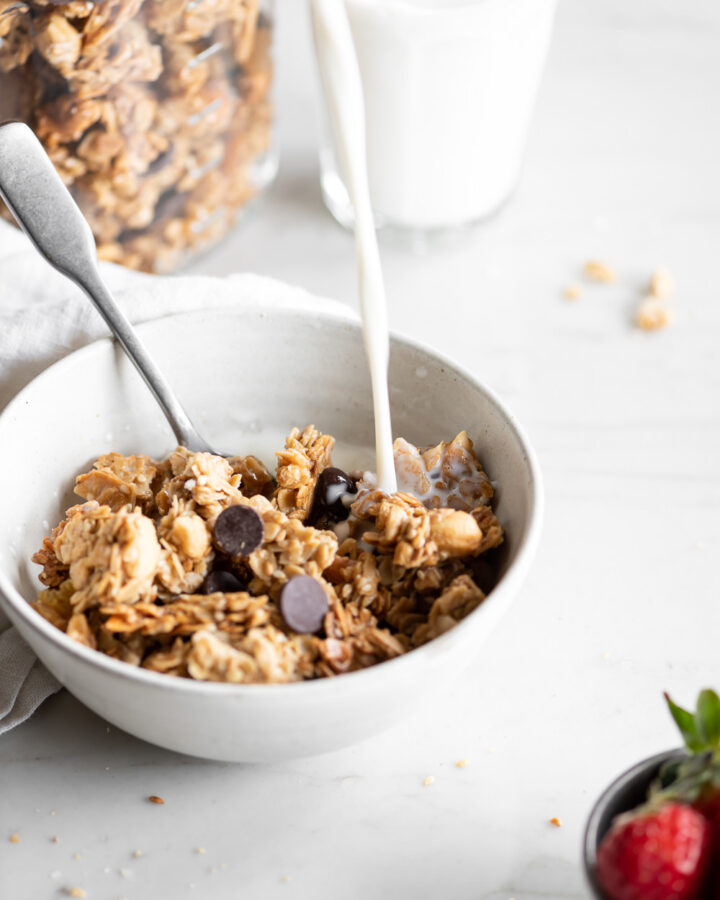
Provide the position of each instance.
(449, 92)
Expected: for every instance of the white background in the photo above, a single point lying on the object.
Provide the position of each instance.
(624, 599)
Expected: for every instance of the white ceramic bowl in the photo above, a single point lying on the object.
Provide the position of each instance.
(275, 366)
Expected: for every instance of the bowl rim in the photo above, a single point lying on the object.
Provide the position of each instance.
(12, 598)
(591, 835)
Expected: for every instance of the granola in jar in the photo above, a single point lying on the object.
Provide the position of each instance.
(156, 113)
(210, 568)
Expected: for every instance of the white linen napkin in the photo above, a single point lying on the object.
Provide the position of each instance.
(43, 317)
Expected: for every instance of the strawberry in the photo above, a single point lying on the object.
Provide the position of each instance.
(669, 848)
(655, 854)
(697, 779)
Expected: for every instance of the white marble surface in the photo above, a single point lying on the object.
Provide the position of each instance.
(623, 600)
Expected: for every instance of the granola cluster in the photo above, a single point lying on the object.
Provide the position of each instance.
(153, 111)
(141, 570)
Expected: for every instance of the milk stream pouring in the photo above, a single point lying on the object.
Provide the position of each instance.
(343, 92)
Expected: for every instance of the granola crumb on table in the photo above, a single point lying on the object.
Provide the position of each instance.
(653, 314)
(594, 270)
(133, 572)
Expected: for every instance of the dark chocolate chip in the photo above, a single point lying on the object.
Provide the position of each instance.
(238, 530)
(221, 582)
(303, 604)
(330, 503)
(171, 205)
(161, 160)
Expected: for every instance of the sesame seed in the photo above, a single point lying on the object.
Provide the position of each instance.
(153, 798)
(428, 781)
(461, 763)
(15, 838)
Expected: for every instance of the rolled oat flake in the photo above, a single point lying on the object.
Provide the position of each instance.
(303, 604)
(239, 530)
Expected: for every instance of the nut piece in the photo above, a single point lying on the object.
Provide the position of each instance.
(456, 533)
(598, 271)
(190, 535)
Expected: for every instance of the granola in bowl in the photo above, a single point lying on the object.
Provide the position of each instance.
(213, 569)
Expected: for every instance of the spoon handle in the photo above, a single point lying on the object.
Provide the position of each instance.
(44, 209)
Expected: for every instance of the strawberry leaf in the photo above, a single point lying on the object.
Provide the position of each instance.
(687, 724)
(707, 718)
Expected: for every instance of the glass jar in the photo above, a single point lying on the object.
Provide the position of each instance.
(156, 113)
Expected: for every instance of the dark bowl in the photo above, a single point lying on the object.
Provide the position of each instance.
(624, 794)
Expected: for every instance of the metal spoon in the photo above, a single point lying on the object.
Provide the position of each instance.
(44, 209)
